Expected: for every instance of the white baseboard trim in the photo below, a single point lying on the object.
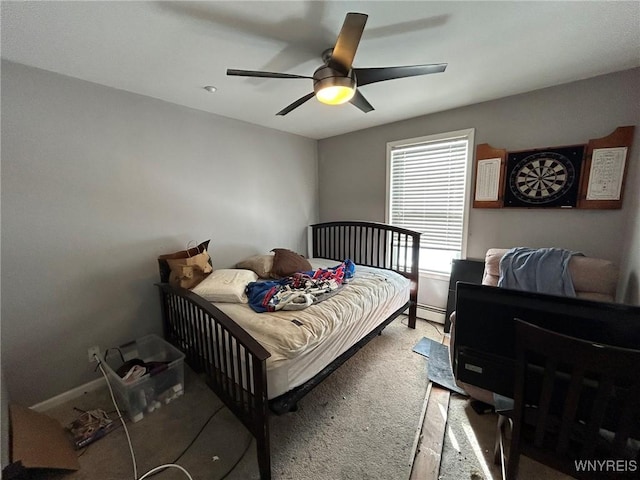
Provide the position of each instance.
(431, 315)
(69, 395)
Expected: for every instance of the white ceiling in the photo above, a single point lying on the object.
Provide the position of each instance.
(171, 50)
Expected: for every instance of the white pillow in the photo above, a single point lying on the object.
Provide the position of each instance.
(225, 285)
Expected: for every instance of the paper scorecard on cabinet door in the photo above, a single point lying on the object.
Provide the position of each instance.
(605, 176)
(487, 180)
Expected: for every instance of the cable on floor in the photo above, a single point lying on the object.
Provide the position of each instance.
(198, 434)
(160, 468)
(239, 459)
(126, 431)
(443, 334)
(186, 449)
(157, 470)
(437, 330)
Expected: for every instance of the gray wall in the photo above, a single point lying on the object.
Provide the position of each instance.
(96, 183)
(354, 164)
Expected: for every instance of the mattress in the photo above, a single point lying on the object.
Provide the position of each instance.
(303, 342)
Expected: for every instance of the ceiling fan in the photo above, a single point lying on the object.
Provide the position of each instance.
(336, 81)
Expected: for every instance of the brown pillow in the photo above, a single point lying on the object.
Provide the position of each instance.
(165, 269)
(260, 264)
(286, 262)
(189, 272)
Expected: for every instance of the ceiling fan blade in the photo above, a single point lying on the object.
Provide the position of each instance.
(254, 73)
(359, 101)
(365, 76)
(296, 104)
(348, 40)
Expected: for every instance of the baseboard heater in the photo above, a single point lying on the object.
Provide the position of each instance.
(431, 313)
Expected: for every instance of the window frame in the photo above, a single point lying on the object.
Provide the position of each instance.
(469, 134)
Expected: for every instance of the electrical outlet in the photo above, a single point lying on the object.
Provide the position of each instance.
(95, 350)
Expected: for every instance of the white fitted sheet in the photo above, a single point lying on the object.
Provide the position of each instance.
(329, 328)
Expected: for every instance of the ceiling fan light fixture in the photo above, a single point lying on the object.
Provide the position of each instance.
(336, 81)
(335, 90)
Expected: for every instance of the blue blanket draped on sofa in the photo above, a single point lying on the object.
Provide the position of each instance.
(543, 270)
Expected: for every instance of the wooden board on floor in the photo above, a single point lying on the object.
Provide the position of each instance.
(426, 464)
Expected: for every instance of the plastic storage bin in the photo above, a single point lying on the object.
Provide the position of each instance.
(162, 383)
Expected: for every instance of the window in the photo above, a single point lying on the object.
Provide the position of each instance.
(427, 180)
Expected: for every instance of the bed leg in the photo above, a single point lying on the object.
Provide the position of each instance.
(413, 314)
(264, 457)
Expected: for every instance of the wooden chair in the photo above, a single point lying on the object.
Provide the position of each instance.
(575, 401)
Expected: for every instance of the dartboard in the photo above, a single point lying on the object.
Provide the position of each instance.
(544, 178)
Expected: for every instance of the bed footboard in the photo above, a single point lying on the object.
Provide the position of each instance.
(233, 362)
(374, 245)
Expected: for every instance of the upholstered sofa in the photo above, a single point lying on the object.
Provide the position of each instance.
(593, 279)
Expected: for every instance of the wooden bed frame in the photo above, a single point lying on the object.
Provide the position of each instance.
(234, 363)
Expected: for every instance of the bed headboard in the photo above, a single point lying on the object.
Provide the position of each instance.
(371, 244)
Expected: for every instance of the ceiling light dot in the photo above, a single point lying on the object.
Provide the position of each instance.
(210, 88)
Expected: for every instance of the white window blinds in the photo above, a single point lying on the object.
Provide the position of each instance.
(427, 190)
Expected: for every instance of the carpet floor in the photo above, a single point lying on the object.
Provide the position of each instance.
(467, 452)
(360, 423)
